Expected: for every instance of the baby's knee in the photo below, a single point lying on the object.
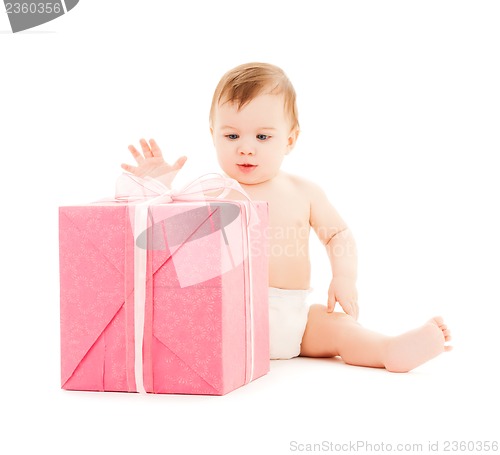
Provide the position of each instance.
(334, 323)
(321, 311)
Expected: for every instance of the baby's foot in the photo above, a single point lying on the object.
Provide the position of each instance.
(411, 349)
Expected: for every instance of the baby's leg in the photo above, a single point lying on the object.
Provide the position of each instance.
(337, 334)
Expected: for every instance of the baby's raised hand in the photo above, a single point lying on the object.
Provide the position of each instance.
(151, 163)
(343, 290)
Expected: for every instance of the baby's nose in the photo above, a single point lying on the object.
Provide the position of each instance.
(246, 149)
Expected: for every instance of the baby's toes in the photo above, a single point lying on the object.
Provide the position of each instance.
(438, 320)
(447, 335)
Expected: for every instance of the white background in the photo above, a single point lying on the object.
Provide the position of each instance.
(399, 110)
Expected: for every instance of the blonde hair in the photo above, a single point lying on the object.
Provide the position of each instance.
(245, 82)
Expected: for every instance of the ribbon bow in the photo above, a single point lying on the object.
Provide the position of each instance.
(134, 189)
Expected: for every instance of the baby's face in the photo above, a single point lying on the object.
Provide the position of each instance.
(251, 143)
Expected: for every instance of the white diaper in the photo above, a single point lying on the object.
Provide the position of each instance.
(288, 310)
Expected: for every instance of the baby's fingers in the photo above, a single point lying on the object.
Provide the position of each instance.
(146, 150)
(137, 156)
(350, 308)
(355, 310)
(179, 163)
(155, 150)
(128, 168)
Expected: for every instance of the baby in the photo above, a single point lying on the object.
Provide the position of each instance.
(254, 125)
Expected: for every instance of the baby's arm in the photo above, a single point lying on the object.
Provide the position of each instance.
(151, 163)
(340, 247)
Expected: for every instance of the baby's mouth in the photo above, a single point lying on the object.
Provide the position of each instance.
(246, 167)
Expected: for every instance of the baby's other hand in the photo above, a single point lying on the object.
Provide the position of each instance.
(151, 163)
(343, 290)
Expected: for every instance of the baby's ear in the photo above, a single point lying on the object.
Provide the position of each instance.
(292, 139)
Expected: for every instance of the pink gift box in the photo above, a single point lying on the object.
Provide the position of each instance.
(205, 313)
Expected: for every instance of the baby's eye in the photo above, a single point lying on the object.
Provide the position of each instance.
(232, 136)
(262, 137)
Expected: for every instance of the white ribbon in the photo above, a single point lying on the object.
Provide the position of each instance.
(140, 261)
(250, 278)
